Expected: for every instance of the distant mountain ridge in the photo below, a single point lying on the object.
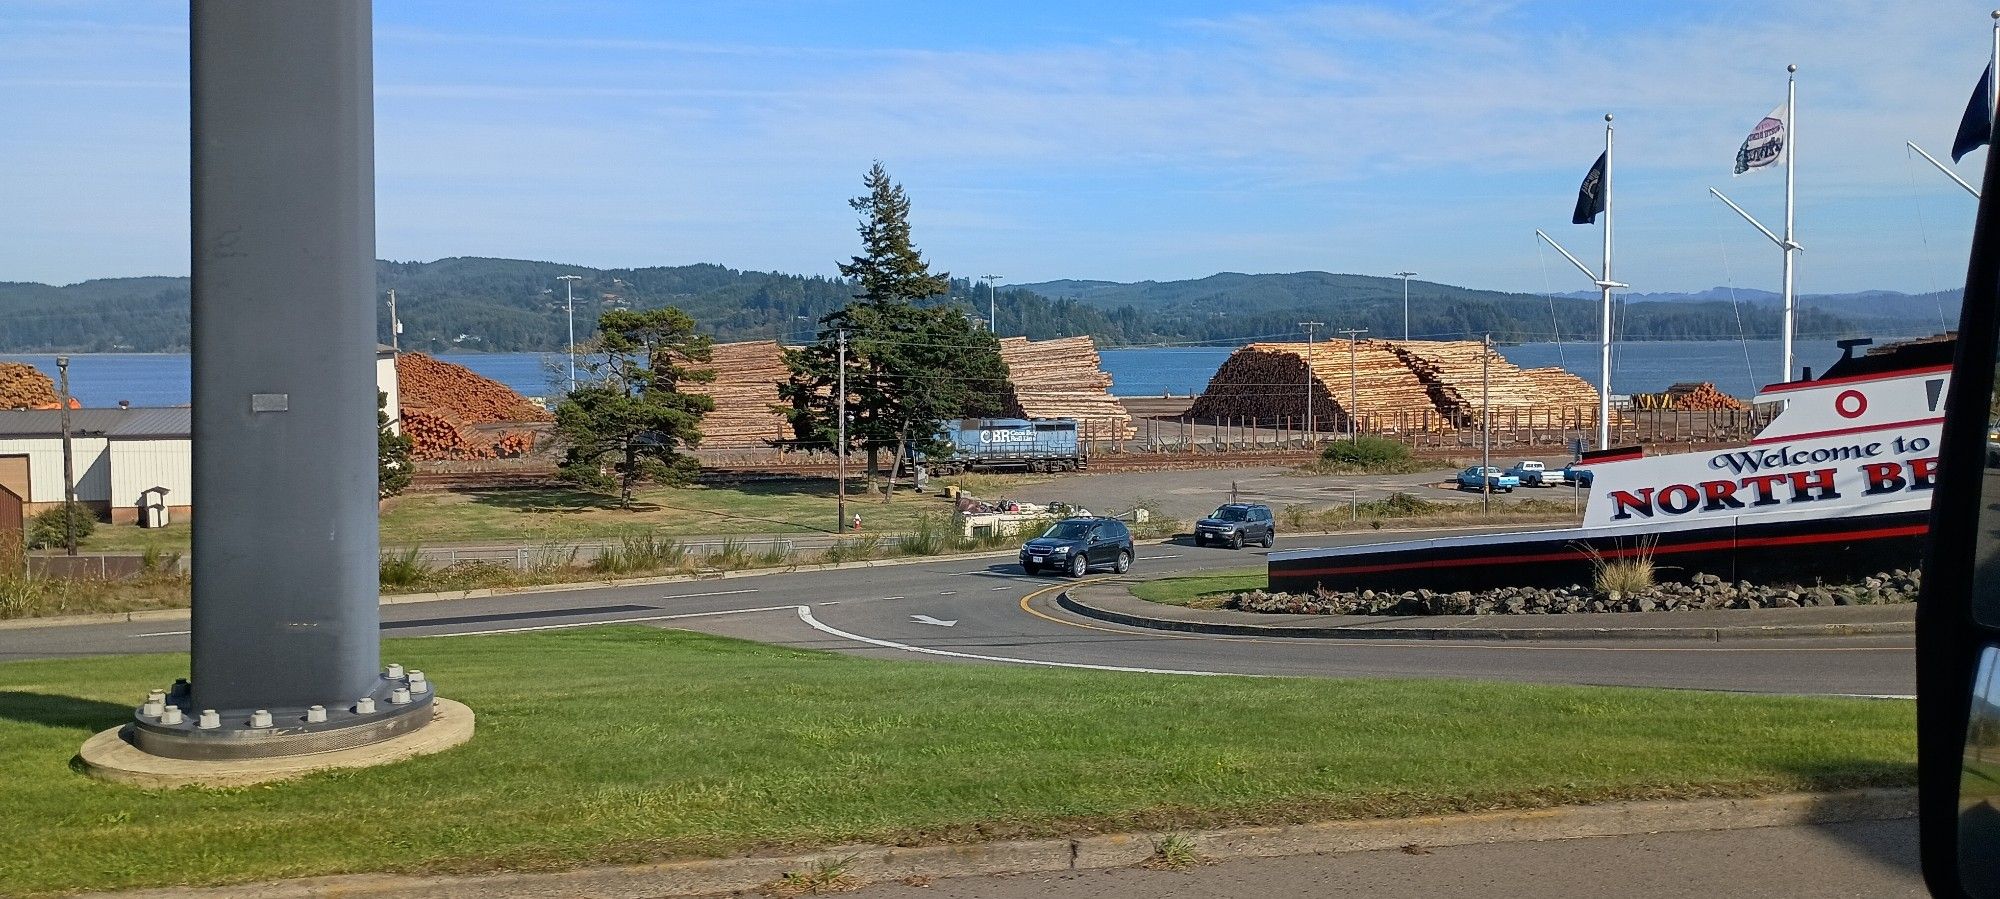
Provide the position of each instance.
(491, 304)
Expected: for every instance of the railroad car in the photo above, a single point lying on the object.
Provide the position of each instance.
(1039, 444)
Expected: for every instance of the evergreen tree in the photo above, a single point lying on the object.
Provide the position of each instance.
(629, 422)
(912, 361)
(393, 467)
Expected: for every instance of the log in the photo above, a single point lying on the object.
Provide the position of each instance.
(1268, 382)
(1063, 378)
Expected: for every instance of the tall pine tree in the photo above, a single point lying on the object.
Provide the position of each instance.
(914, 358)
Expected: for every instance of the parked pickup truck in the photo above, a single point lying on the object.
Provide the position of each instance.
(1477, 478)
(1535, 474)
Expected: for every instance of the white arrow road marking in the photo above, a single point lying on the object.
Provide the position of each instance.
(926, 619)
(806, 615)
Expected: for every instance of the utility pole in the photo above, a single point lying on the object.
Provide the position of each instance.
(395, 325)
(69, 462)
(569, 300)
(993, 306)
(1406, 303)
(840, 451)
(1353, 391)
(1486, 420)
(1309, 326)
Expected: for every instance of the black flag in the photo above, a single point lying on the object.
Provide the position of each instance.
(1590, 197)
(1976, 129)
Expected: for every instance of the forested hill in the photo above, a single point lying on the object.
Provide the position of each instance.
(469, 303)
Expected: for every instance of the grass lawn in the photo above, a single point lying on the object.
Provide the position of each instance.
(802, 506)
(647, 744)
(1200, 591)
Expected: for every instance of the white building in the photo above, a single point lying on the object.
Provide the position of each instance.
(120, 455)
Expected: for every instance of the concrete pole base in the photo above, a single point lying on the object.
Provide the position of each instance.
(110, 756)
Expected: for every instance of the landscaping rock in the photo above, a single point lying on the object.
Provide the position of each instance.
(1702, 591)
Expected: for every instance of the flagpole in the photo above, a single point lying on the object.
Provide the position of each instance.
(1604, 326)
(1791, 149)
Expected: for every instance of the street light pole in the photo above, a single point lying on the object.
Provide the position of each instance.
(1406, 303)
(1486, 420)
(840, 451)
(1309, 326)
(395, 325)
(993, 306)
(1353, 389)
(69, 462)
(569, 300)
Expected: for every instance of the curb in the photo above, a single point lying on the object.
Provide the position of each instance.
(1349, 632)
(7, 624)
(874, 864)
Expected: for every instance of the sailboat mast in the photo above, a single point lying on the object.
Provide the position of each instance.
(1604, 323)
(1791, 150)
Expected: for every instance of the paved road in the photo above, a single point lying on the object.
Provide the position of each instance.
(1873, 859)
(999, 616)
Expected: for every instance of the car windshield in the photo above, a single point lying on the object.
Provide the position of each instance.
(1228, 514)
(1068, 530)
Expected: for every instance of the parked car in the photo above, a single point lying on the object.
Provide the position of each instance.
(1074, 545)
(1578, 475)
(1236, 524)
(1477, 478)
(1535, 474)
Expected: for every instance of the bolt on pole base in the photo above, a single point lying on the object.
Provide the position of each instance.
(168, 726)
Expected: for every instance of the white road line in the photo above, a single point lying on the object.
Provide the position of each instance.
(1151, 558)
(886, 598)
(830, 602)
(159, 634)
(1003, 587)
(949, 593)
(716, 593)
(806, 615)
(556, 627)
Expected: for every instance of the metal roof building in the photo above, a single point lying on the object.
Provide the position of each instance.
(119, 455)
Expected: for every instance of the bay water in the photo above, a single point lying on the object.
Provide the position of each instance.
(1737, 368)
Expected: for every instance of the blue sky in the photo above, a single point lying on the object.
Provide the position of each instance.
(1121, 141)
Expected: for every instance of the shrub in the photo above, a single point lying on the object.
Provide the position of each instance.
(405, 569)
(1367, 453)
(1624, 576)
(1296, 516)
(46, 529)
(639, 553)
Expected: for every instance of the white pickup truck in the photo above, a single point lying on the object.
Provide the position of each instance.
(1535, 474)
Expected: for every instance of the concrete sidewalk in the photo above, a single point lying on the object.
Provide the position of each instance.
(1113, 602)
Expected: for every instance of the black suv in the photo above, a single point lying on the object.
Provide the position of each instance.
(1072, 545)
(1237, 524)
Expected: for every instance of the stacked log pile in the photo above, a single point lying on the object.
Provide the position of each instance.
(745, 389)
(1464, 376)
(23, 386)
(441, 403)
(1689, 396)
(1268, 382)
(1063, 378)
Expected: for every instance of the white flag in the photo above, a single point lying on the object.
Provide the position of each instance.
(1767, 144)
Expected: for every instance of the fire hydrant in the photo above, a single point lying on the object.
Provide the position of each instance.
(857, 521)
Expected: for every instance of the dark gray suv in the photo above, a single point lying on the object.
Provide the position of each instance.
(1236, 524)
(1073, 545)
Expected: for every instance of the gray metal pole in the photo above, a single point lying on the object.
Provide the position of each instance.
(840, 451)
(1486, 420)
(569, 303)
(69, 461)
(395, 325)
(286, 548)
(1353, 390)
(1406, 303)
(1312, 427)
